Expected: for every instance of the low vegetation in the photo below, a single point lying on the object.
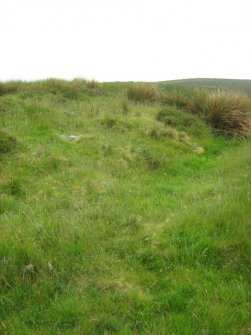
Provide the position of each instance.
(123, 210)
(7, 142)
(229, 113)
(226, 112)
(142, 92)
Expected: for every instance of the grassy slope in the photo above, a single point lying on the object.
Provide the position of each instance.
(233, 84)
(120, 232)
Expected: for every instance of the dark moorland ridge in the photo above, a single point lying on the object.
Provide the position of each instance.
(125, 208)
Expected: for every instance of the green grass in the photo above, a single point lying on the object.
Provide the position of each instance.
(227, 112)
(114, 221)
(242, 85)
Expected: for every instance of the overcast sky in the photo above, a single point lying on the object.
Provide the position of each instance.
(123, 40)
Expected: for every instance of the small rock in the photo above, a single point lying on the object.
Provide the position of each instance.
(73, 137)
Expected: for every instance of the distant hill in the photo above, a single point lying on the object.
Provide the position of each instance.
(233, 84)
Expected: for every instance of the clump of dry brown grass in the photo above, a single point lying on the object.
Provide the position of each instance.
(198, 102)
(52, 85)
(93, 85)
(142, 92)
(229, 112)
(226, 112)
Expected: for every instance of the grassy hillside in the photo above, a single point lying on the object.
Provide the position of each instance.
(120, 217)
(243, 85)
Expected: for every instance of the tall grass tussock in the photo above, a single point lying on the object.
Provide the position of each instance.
(228, 113)
(142, 92)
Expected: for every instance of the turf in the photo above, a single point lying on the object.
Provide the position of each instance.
(114, 222)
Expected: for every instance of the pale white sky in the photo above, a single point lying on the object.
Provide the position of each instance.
(123, 40)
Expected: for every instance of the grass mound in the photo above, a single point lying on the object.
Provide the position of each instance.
(183, 121)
